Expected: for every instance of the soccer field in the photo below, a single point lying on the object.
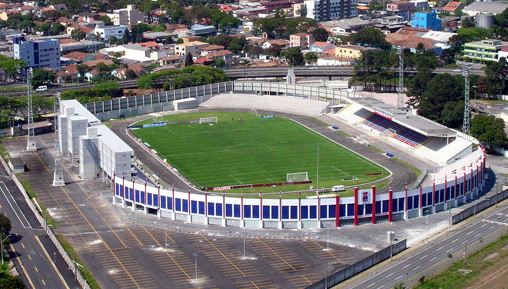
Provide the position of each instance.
(243, 148)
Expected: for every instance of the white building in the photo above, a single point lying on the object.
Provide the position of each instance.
(325, 10)
(128, 16)
(96, 148)
(136, 52)
(493, 8)
(105, 32)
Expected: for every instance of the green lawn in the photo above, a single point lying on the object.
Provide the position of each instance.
(253, 151)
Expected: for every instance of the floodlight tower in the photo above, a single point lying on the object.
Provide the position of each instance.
(31, 146)
(467, 113)
(400, 88)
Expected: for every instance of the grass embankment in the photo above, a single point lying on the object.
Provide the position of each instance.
(478, 263)
(243, 148)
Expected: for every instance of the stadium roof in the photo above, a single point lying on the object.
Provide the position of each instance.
(417, 123)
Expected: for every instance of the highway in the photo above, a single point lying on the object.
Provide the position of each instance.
(35, 257)
(258, 72)
(453, 244)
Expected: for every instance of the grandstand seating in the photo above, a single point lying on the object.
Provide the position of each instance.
(437, 143)
(401, 133)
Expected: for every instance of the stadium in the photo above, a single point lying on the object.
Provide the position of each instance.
(266, 155)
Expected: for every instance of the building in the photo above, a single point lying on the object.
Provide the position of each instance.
(105, 32)
(420, 4)
(345, 26)
(128, 16)
(202, 30)
(503, 53)
(410, 38)
(302, 40)
(400, 7)
(349, 51)
(325, 10)
(40, 53)
(192, 47)
(83, 45)
(320, 47)
(426, 20)
(453, 7)
(493, 8)
(483, 51)
(136, 52)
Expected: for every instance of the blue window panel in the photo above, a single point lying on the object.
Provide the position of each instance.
(441, 196)
(394, 205)
(416, 202)
(294, 212)
(285, 212)
(178, 204)
(137, 196)
(218, 209)
(185, 205)
(385, 206)
(452, 192)
(156, 200)
(149, 198)
(331, 211)
(424, 201)
(378, 207)
(163, 202)
(448, 193)
(342, 210)
(229, 210)
(170, 203)
(117, 193)
(305, 212)
(323, 214)
(313, 212)
(401, 204)
(275, 212)
(410, 202)
(350, 210)
(247, 211)
(430, 201)
(360, 210)
(128, 194)
(266, 212)
(211, 209)
(194, 207)
(255, 211)
(237, 211)
(201, 208)
(142, 197)
(368, 209)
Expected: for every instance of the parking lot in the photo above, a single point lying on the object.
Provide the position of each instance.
(124, 250)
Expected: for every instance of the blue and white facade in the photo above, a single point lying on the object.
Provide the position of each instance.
(262, 212)
(40, 53)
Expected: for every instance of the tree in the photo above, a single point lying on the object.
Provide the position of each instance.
(294, 56)
(107, 21)
(5, 225)
(497, 76)
(468, 22)
(10, 282)
(375, 5)
(416, 86)
(112, 40)
(138, 30)
(220, 63)
(311, 57)
(320, 34)
(77, 34)
(11, 67)
(489, 130)
(42, 77)
(130, 74)
(188, 60)
(370, 37)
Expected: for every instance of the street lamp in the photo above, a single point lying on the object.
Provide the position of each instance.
(2, 247)
(391, 238)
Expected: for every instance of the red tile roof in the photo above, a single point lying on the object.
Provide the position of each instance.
(452, 6)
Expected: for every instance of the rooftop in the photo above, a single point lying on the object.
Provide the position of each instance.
(79, 109)
(115, 143)
(487, 7)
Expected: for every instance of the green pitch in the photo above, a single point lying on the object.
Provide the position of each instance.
(254, 150)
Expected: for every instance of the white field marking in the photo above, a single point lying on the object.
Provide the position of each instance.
(12, 207)
(341, 171)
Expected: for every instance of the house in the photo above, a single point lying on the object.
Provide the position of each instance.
(128, 16)
(453, 7)
(171, 60)
(135, 52)
(477, 7)
(426, 20)
(332, 60)
(301, 40)
(105, 32)
(210, 49)
(225, 55)
(192, 47)
(345, 26)
(483, 51)
(202, 30)
(320, 47)
(349, 51)
(503, 53)
(410, 38)
(282, 43)
(420, 5)
(400, 7)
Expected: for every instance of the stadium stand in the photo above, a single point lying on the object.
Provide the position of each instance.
(400, 132)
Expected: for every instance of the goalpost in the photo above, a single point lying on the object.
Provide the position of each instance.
(211, 119)
(297, 177)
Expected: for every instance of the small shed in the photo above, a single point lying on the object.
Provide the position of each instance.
(17, 165)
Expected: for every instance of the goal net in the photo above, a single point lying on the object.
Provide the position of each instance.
(297, 177)
(212, 119)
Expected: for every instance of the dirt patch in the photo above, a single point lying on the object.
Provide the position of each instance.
(495, 277)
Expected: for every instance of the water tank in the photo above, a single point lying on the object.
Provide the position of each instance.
(484, 20)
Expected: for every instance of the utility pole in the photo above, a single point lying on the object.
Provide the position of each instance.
(467, 113)
(31, 146)
(400, 89)
(58, 176)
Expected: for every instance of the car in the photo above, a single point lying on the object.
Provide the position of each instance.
(42, 88)
(338, 188)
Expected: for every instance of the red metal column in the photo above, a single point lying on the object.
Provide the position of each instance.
(373, 217)
(122, 191)
(355, 219)
(114, 184)
(159, 196)
(433, 193)
(188, 203)
(337, 211)
(390, 205)
(206, 204)
(421, 200)
(455, 192)
(174, 202)
(133, 193)
(445, 189)
(146, 197)
(299, 206)
(261, 205)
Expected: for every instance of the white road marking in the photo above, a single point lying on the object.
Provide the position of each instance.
(416, 268)
(389, 274)
(433, 258)
(399, 277)
(455, 240)
(407, 265)
(440, 248)
(469, 233)
(496, 222)
(423, 257)
(12, 207)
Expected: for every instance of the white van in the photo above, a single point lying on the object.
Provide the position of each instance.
(338, 188)
(42, 88)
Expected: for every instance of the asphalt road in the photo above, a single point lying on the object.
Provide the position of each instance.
(454, 243)
(36, 258)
